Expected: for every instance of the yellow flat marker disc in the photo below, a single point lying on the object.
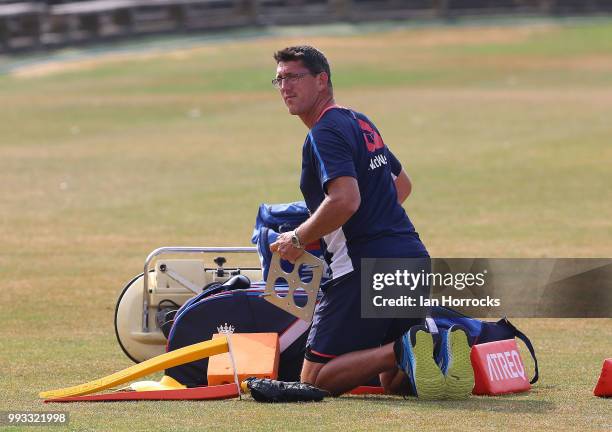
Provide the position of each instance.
(170, 359)
(166, 383)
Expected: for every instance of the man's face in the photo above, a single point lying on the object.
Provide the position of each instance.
(301, 89)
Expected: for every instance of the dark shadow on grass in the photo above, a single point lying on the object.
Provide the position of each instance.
(503, 404)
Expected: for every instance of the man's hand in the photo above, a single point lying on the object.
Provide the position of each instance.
(285, 248)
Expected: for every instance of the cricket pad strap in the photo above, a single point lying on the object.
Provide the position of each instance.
(268, 390)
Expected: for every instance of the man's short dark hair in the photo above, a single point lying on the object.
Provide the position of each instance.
(312, 59)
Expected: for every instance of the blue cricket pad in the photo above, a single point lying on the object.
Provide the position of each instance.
(279, 217)
(273, 219)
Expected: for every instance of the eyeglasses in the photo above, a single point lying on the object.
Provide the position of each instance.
(290, 78)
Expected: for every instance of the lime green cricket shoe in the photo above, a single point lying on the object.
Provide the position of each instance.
(416, 359)
(456, 364)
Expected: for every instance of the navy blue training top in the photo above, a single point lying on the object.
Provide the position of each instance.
(346, 143)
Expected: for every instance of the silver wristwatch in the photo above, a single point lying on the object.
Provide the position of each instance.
(295, 240)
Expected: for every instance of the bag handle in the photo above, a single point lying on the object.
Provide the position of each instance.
(522, 336)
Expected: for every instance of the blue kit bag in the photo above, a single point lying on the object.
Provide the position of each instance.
(247, 312)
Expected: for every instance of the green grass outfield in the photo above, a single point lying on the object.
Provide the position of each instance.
(506, 131)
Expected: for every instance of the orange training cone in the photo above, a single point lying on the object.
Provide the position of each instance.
(604, 385)
(255, 354)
